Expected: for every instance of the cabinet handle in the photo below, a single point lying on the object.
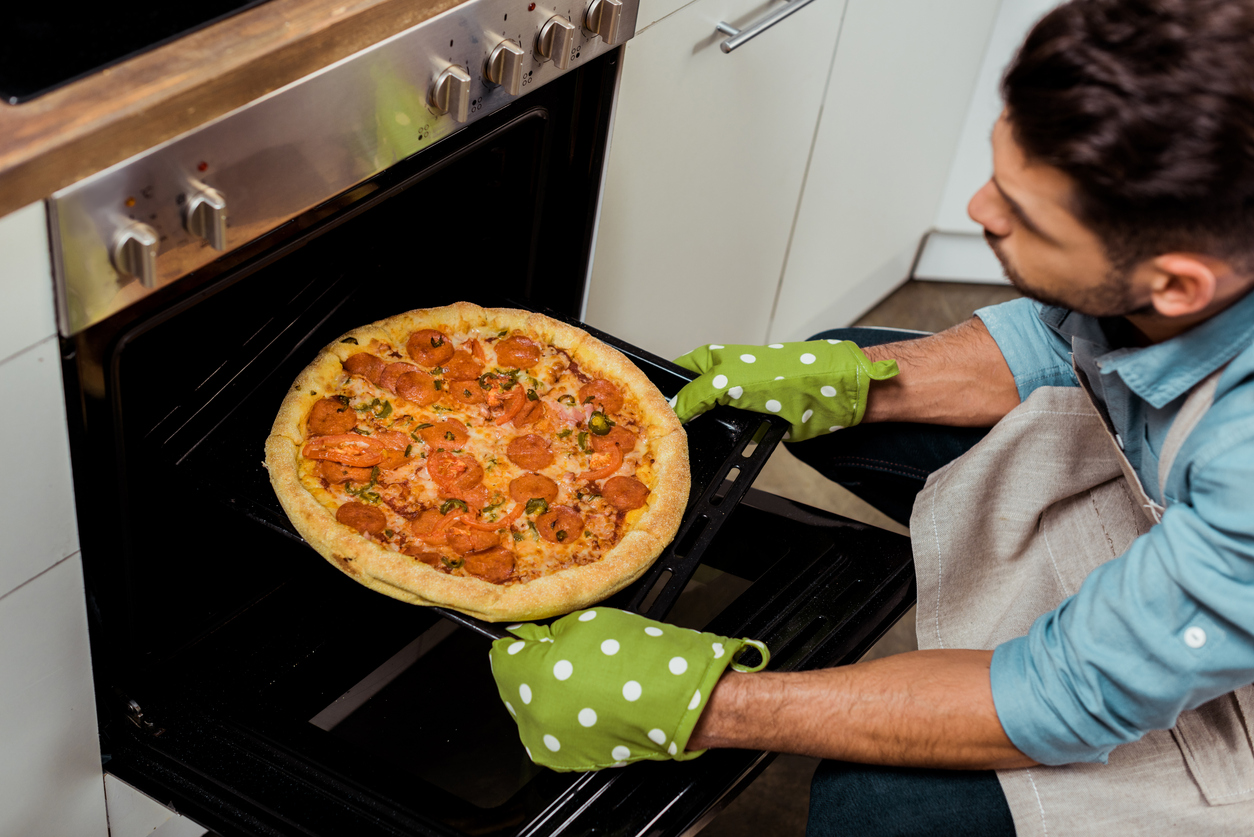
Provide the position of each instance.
(740, 37)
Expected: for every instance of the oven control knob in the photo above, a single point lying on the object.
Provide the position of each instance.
(505, 66)
(451, 93)
(135, 253)
(557, 36)
(206, 215)
(602, 20)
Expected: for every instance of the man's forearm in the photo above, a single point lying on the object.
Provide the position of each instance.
(956, 377)
(921, 709)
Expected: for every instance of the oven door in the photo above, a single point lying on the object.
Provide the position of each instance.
(246, 681)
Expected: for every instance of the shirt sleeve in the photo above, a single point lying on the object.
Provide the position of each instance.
(1037, 355)
(1165, 627)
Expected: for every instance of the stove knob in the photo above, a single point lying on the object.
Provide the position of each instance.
(602, 20)
(451, 93)
(206, 216)
(557, 36)
(135, 253)
(505, 66)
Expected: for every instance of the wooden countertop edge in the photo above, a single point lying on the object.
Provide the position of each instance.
(85, 127)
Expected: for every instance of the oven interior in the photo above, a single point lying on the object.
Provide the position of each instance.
(247, 681)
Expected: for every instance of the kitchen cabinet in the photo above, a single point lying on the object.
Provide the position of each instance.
(50, 778)
(706, 162)
(903, 78)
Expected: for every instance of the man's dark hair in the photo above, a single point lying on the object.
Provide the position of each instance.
(1148, 105)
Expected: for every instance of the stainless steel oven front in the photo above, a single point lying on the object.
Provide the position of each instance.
(238, 676)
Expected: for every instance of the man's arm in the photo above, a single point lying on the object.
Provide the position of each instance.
(921, 709)
(956, 377)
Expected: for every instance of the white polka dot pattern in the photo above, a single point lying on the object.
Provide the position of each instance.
(806, 416)
(657, 737)
(652, 631)
(748, 358)
(718, 650)
(516, 647)
(776, 346)
(632, 690)
(609, 647)
(696, 700)
(717, 346)
(677, 665)
(587, 717)
(588, 617)
(774, 406)
(808, 358)
(672, 749)
(828, 391)
(719, 381)
(552, 743)
(510, 707)
(563, 669)
(524, 692)
(620, 753)
(736, 392)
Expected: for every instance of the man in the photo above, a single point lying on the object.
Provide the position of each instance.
(1122, 200)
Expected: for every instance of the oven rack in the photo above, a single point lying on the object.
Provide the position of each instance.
(727, 447)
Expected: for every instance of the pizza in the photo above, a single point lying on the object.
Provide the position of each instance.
(489, 460)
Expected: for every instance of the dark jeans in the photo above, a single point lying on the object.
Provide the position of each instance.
(887, 465)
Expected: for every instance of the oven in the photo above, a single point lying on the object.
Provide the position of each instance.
(239, 677)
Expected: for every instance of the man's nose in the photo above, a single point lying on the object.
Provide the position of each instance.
(986, 210)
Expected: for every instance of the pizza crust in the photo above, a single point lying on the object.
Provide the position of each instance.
(401, 577)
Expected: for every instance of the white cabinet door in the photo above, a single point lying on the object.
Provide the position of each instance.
(705, 168)
(901, 84)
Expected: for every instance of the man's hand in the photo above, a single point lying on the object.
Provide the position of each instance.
(820, 386)
(602, 687)
(921, 709)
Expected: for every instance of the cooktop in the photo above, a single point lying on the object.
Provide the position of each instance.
(46, 45)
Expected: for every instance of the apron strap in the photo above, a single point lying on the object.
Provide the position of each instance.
(1195, 406)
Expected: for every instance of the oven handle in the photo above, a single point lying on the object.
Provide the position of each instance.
(740, 37)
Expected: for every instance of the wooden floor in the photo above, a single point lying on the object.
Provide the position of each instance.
(775, 805)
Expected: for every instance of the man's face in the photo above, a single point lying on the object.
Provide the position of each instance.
(1045, 250)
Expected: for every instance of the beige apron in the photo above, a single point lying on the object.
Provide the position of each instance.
(1004, 534)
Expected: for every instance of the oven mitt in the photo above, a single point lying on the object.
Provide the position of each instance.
(604, 687)
(819, 386)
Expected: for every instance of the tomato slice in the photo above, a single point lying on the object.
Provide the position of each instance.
(346, 449)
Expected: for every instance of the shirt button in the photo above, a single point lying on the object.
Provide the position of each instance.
(1194, 637)
(1119, 441)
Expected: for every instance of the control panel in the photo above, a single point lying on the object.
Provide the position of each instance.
(162, 214)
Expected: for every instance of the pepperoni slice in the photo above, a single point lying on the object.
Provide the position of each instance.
(393, 459)
(530, 486)
(329, 417)
(560, 525)
(418, 387)
(530, 452)
(392, 439)
(471, 540)
(347, 449)
(624, 440)
(533, 413)
(517, 352)
(425, 524)
(467, 392)
(603, 394)
(495, 564)
(392, 372)
(454, 471)
(449, 433)
(625, 493)
(463, 367)
(426, 556)
(361, 517)
(335, 473)
(365, 365)
(429, 347)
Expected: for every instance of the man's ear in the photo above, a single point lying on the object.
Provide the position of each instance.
(1183, 284)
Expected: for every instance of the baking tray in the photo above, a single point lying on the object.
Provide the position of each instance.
(727, 448)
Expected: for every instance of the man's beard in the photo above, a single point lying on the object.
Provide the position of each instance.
(1112, 298)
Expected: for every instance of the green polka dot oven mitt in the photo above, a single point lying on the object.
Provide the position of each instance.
(820, 386)
(604, 688)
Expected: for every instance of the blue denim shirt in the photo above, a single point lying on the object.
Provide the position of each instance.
(1169, 624)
